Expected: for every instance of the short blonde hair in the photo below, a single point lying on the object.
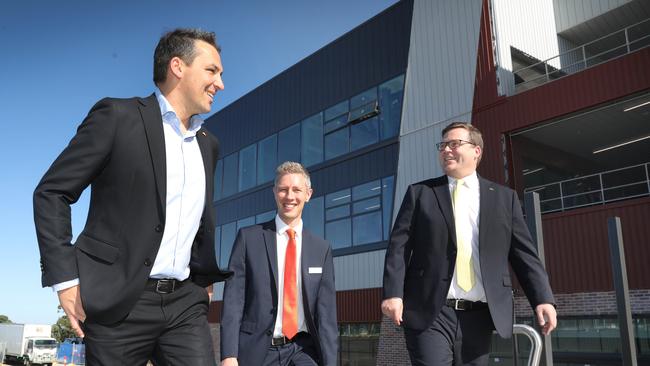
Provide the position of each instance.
(291, 167)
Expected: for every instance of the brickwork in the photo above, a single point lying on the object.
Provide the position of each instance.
(215, 332)
(392, 349)
(589, 303)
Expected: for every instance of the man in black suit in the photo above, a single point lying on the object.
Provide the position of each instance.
(137, 282)
(279, 308)
(446, 275)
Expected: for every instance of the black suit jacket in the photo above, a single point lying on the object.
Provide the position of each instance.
(421, 255)
(251, 296)
(119, 150)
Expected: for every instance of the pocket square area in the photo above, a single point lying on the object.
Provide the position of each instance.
(315, 269)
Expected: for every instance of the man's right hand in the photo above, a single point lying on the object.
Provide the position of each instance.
(393, 308)
(230, 361)
(70, 299)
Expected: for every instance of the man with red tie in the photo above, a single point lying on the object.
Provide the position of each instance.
(279, 308)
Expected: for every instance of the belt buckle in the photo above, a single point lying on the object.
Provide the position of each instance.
(163, 286)
(281, 341)
(456, 302)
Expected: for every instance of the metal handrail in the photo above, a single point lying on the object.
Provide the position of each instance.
(535, 354)
(600, 189)
(548, 71)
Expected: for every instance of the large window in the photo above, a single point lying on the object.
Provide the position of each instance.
(594, 157)
(358, 343)
(351, 124)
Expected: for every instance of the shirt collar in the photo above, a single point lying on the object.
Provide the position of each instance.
(471, 180)
(281, 227)
(169, 116)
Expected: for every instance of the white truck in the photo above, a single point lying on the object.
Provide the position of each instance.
(30, 344)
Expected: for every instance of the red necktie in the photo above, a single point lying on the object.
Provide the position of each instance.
(290, 301)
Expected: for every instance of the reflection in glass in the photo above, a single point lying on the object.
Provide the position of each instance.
(228, 232)
(363, 98)
(248, 221)
(312, 140)
(338, 233)
(387, 194)
(366, 205)
(366, 190)
(247, 167)
(217, 241)
(230, 164)
(367, 228)
(391, 94)
(335, 124)
(336, 110)
(337, 198)
(267, 159)
(364, 134)
(337, 143)
(265, 216)
(289, 144)
(337, 212)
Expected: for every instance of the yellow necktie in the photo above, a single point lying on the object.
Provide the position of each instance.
(464, 268)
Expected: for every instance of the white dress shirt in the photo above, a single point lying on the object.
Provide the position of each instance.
(282, 240)
(185, 197)
(469, 220)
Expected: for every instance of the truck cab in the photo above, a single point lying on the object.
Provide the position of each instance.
(40, 351)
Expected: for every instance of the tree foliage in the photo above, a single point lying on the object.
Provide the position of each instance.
(4, 319)
(62, 329)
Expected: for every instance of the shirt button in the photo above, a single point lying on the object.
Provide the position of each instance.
(147, 262)
(158, 228)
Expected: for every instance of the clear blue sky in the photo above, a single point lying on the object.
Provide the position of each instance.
(60, 57)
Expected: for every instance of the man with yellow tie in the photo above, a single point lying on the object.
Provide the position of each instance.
(279, 308)
(446, 276)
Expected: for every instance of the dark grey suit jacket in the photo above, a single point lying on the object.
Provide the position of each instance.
(421, 255)
(251, 296)
(119, 150)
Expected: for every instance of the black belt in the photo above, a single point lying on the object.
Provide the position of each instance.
(281, 341)
(460, 304)
(164, 285)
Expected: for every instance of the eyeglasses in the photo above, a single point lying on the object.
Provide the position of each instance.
(453, 144)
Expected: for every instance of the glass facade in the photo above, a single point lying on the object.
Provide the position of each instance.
(358, 343)
(352, 124)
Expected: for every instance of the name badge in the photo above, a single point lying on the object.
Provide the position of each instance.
(315, 269)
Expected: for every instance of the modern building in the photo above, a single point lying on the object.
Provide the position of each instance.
(561, 91)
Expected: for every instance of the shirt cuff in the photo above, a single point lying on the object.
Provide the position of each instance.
(65, 285)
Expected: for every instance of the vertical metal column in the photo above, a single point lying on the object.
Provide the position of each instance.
(619, 272)
(534, 222)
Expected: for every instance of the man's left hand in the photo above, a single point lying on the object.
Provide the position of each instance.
(546, 317)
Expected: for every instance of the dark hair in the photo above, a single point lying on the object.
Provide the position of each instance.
(475, 136)
(178, 43)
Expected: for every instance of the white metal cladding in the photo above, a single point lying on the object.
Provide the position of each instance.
(528, 25)
(358, 271)
(439, 86)
(569, 13)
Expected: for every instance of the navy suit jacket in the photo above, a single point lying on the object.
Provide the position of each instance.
(421, 256)
(251, 296)
(119, 150)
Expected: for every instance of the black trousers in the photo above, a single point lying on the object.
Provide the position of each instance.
(168, 329)
(455, 337)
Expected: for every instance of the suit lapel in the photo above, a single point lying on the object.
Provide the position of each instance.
(441, 191)
(487, 202)
(271, 250)
(152, 119)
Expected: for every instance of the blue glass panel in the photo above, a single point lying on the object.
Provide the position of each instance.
(247, 167)
(248, 221)
(217, 241)
(218, 176)
(335, 124)
(312, 140)
(368, 205)
(365, 190)
(337, 212)
(363, 98)
(267, 159)
(230, 168)
(391, 95)
(289, 144)
(228, 233)
(387, 195)
(336, 110)
(367, 228)
(338, 233)
(312, 216)
(364, 133)
(337, 198)
(337, 143)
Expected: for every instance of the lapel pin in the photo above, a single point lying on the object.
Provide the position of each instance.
(203, 132)
(492, 189)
